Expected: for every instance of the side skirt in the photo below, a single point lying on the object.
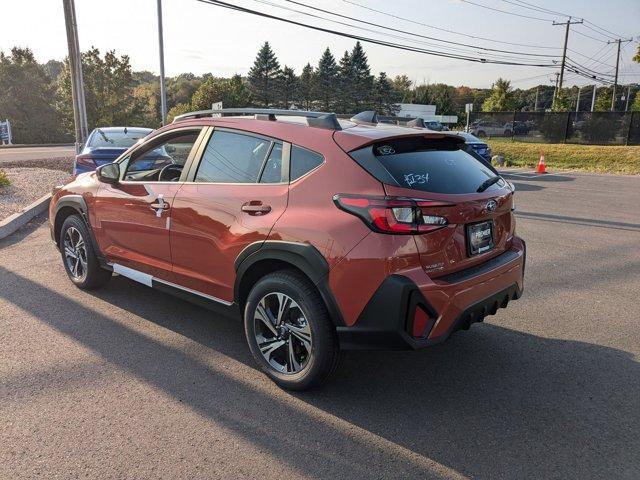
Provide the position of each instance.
(221, 307)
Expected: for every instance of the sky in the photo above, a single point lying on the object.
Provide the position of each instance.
(202, 38)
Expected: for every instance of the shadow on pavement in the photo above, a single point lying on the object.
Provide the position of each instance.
(489, 403)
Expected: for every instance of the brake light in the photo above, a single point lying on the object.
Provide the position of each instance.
(394, 215)
(85, 160)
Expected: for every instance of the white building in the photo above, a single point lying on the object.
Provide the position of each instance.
(426, 112)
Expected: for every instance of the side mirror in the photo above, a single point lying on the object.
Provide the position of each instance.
(109, 173)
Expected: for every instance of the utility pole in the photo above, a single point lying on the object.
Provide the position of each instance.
(163, 93)
(568, 23)
(626, 106)
(615, 82)
(535, 108)
(593, 97)
(555, 91)
(75, 66)
(578, 100)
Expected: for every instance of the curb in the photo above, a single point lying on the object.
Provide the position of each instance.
(35, 145)
(17, 220)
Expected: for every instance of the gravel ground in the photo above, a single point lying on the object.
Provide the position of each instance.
(27, 185)
(54, 163)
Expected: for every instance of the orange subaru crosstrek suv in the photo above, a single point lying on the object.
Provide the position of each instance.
(321, 234)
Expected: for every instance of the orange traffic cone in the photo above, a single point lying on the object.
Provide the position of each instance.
(541, 168)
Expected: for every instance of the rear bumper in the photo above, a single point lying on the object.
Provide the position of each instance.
(452, 302)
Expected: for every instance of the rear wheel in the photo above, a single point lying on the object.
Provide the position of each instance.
(79, 258)
(289, 331)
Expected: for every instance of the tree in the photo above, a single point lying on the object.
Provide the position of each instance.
(603, 99)
(635, 106)
(345, 84)
(306, 86)
(362, 79)
(108, 87)
(384, 96)
(53, 69)
(563, 101)
(233, 93)
(178, 109)
(288, 86)
(147, 104)
(263, 76)
(402, 88)
(180, 89)
(636, 57)
(26, 94)
(326, 80)
(501, 98)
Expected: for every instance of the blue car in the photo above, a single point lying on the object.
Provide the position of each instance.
(106, 144)
(477, 146)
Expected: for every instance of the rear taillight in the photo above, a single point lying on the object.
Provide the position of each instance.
(85, 160)
(395, 215)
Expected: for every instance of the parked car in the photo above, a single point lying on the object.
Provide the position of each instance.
(516, 127)
(322, 235)
(474, 144)
(104, 145)
(436, 126)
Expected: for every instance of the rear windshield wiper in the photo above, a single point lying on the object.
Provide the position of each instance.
(488, 182)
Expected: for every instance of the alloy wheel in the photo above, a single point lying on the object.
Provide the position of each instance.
(283, 333)
(75, 253)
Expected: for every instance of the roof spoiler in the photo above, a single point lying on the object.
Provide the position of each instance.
(328, 121)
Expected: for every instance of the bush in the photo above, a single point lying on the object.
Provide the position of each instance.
(599, 130)
(4, 181)
(554, 127)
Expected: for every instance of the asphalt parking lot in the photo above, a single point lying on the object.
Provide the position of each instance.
(127, 382)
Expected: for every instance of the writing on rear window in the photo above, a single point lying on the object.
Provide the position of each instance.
(416, 178)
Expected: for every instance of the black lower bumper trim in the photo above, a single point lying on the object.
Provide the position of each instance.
(383, 323)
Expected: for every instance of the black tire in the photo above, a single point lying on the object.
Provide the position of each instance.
(324, 354)
(87, 274)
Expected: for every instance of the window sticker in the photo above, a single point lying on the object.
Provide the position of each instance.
(416, 178)
(386, 150)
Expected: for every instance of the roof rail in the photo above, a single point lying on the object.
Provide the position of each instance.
(324, 120)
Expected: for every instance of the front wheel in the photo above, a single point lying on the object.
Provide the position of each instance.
(79, 258)
(289, 331)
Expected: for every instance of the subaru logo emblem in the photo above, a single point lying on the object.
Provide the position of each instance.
(491, 206)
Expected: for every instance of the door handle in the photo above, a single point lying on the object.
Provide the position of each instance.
(255, 207)
(159, 207)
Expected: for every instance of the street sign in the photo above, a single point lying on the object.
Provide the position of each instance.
(5, 132)
(468, 107)
(216, 106)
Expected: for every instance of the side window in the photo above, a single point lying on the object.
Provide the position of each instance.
(172, 153)
(272, 172)
(232, 158)
(303, 161)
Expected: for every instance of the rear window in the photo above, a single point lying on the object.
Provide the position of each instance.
(428, 165)
(116, 139)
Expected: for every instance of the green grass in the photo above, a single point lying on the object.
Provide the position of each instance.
(586, 158)
(4, 181)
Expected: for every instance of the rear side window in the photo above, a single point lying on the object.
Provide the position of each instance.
(232, 158)
(303, 161)
(428, 165)
(272, 172)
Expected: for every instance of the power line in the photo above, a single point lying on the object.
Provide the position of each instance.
(417, 34)
(449, 49)
(588, 36)
(554, 12)
(507, 12)
(229, 6)
(448, 30)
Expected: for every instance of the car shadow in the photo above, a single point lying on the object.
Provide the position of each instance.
(492, 402)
